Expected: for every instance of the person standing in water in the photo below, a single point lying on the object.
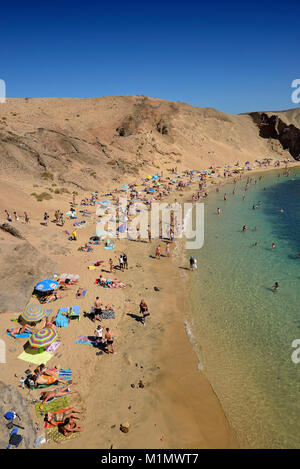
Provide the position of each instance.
(276, 286)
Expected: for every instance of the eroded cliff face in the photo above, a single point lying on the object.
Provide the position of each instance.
(271, 126)
(83, 143)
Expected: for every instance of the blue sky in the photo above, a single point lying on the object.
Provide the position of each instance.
(236, 57)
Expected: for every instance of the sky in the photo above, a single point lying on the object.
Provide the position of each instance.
(235, 57)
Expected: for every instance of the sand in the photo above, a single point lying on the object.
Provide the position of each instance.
(177, 407)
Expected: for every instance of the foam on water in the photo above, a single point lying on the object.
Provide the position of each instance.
(243, 329)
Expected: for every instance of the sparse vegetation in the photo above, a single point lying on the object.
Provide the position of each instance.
(47, 175)
(64, 190)
(93, 174)
(57, 191)
(42, 196)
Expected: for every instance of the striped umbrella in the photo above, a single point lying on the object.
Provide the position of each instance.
(42, 338)
(34, 313)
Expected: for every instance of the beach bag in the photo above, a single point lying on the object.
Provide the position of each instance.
(10, 416)
(15, 440)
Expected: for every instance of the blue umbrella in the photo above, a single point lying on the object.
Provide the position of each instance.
(151, 190)
(46, 285)
(125, 186)
(155, 176)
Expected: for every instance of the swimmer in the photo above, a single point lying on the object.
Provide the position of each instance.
(276, 286)
(273, 245)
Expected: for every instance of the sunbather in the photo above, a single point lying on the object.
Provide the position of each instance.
(55, 296)
(45, 379)
(59, 392)
(19, 330)
(69, 426)
(42, 370)
(55, 418)
(80, 292)
(50, 324)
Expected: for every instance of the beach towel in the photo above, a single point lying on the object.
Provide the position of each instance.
(94, 267)
(86, 340)
(61, 320)
(105, 314)
(65, 373)
(108, 314)
(43, 386)
(51, 406)
(55, 435)
(53, 347)
(75, 312)
(35, 357)
(24, 335)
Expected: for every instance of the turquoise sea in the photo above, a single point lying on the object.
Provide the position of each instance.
(242, 328)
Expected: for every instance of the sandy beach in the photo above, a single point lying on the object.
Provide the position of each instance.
(175, 407)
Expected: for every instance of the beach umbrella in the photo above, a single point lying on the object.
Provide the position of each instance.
(155, 176)
(125, 186)
(42, 338)
(247, 162)
(148, 177)
(46, 285)
(34, 313)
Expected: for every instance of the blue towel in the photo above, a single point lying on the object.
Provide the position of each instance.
(65, 373)
(24, 335)
(61, 320)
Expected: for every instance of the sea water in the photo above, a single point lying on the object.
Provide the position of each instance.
(243, 329)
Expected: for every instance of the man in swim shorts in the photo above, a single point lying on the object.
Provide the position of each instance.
(97, 309)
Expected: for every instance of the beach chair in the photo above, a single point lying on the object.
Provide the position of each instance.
(74, 313)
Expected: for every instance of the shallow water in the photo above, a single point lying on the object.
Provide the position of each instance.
(244, 330)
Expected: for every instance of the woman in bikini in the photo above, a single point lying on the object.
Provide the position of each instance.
(69, 426)
(19, 330)
(56, 418)
(45, 379)
(59, 392)
(158, 252)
